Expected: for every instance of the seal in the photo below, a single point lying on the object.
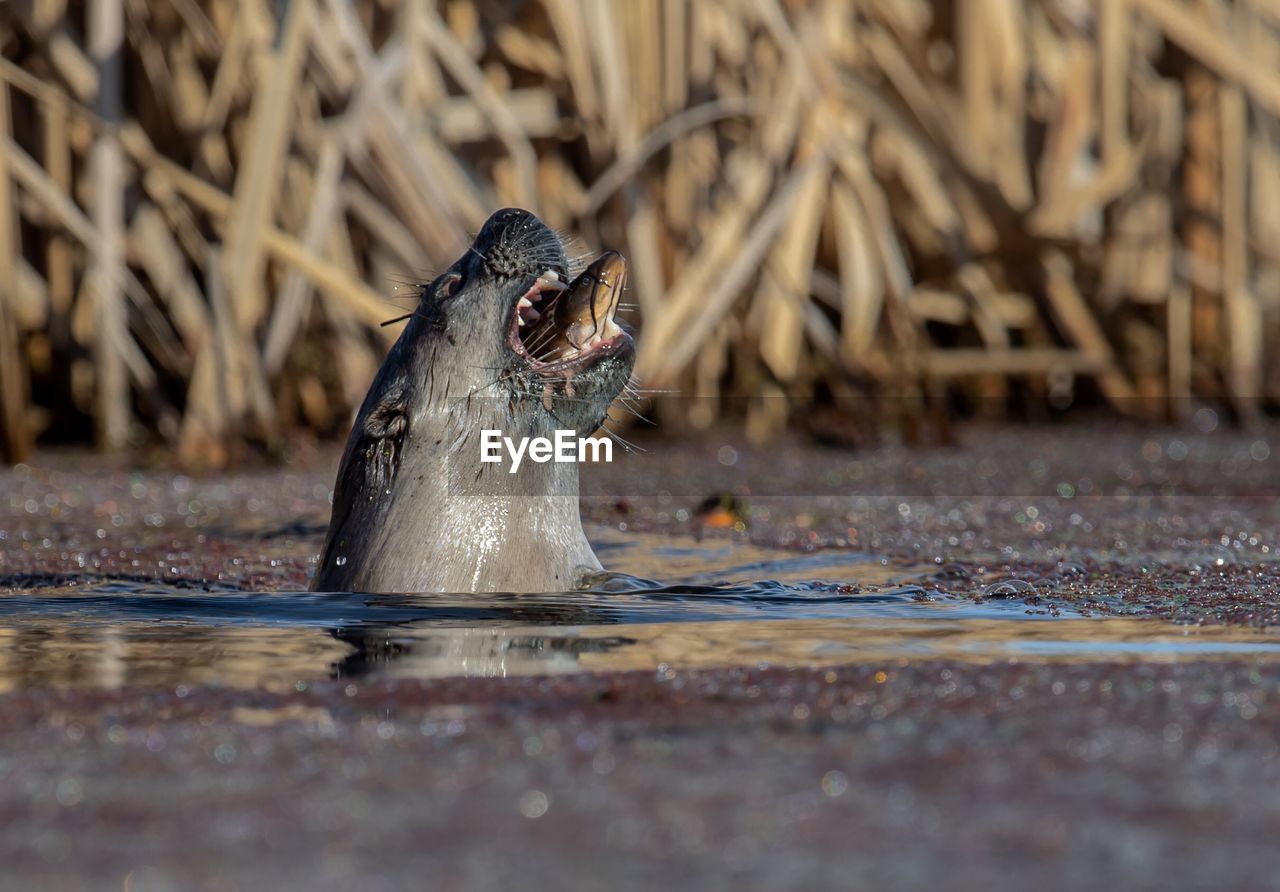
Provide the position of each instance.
(502, 340)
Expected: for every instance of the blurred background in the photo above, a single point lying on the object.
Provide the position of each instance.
(873, 212)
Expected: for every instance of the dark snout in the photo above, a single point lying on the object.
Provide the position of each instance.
(513, 243)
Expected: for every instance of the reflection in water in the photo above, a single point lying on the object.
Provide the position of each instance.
(771, 611)
(66, 651)
(420, 651)
(137, 633)
(427, 651)
(495, 638)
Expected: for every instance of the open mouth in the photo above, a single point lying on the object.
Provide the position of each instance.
(558, 326)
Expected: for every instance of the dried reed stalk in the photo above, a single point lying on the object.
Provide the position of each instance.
(892, 198)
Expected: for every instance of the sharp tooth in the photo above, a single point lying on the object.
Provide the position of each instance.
(520, 320)
(525, 304)
(551, 281)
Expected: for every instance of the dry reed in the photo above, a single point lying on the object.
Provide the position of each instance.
(205, 205)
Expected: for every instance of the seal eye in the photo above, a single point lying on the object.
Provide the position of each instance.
(448, 286)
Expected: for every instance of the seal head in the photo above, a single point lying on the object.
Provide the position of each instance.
(502, 340)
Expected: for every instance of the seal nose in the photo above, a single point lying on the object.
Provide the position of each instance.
(514, 242)
(511, 217)
(512, 226)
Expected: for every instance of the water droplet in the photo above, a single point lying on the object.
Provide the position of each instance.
(69, 791)
(1205, 420)
(1221, 555)
(834, 783)
(534, 804)
(1213, 555)
(1008, 588)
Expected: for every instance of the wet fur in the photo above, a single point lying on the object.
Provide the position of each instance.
(414, 508)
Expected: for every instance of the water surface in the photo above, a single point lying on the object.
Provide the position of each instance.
(720, 604)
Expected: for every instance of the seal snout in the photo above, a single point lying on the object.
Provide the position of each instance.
(554, 326)
(513, 242)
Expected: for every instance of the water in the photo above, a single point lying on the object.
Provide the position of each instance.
(721, 604)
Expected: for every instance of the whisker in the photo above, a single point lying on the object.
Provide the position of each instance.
(542, 340)
(635, 413)
(415, 278)
(626, 444)
(474, 391)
